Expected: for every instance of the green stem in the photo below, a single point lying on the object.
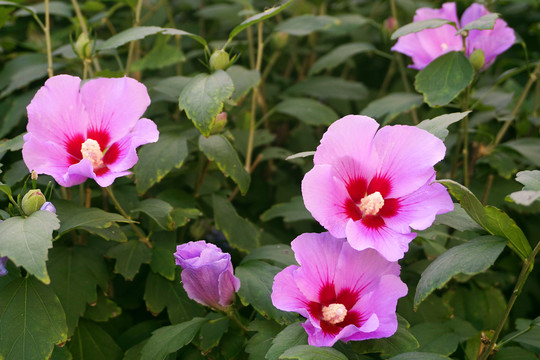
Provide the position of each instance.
(234, 316)
(465, 124)
(142, 236)
(255, 95)
(132, 44)
(84, 28)
(523, 275)
(48, 40)
(532, 78)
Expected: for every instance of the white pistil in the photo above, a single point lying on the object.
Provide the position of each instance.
(334, 313)
(90, 150)
(371, 204)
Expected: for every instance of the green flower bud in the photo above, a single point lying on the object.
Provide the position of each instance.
(32, 201)
(83, 46)
(477, 59)
(219, 60)
(279, 40)
(219, 123)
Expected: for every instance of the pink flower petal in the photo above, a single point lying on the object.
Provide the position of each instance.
(318, 255)
(56, 112)
(286, 295)
(45, 157)
(406, 157)
(347, 139)
(114, 105)
(418, 209)
(389, 243)
(492, 42)
(144, 132)
(325, 197)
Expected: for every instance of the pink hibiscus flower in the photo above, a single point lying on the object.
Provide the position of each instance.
(344, 294)
(372, 186)
(426, 45)
(91, 131)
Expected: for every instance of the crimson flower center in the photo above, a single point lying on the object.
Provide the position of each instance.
(334, 313)
(90, 150)
(371, 204)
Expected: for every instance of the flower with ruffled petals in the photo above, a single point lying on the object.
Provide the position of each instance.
(344, 294)
(372, 186)
(427, 45)
(491, 42)
(91, 131)
(207, 274)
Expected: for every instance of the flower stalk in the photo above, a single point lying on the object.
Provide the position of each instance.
(142, 236)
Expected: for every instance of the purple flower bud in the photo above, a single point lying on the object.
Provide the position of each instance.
(3, 261)
(48, 206)
(207, 274)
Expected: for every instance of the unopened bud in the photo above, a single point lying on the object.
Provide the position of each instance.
(390, 24)
(32, 201)
(83, 46)
(48, 206)
(279, 39)
(219, 123)
(219, 60)
(477, 59)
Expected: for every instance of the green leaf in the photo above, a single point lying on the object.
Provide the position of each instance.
(5, 189)
(513, 353)
(528, 147)
(55, 8)
(268, 13)
(531, 188)
(212, 331)
(203, 97)
(339, 55)
(289, 337)
(22, 70)
(281, 254)
(257, 346)
(26, 241)
(169, 339)
(75, 272)
(140, 32)
(158, 159)
(12, 144)
(490, 218)
(163, 262)
(390, 106)
(160, 293)
(444, 78)
(158, 210)
(291, 211)
(73, 216)
(218, 149)
(129, 257)
(91, 342)
(32, 320)
(438, 126)
(457, 219)
(309, 111)
(328, 87)
(244, 80)
(307, 352)
(240, 233)
(306, 24)
(102, 310)
(485, 22)
(442, 338)
(531, 338)
(161, 55)
(257, 278)
(402, 341)
(470, 258)
(419, 356)
(419, 26)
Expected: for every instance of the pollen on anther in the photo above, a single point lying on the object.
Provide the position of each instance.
(90, 150)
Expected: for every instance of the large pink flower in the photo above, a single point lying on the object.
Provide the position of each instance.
(344, 294)
(428, 44)
(371, 186)
(91, 131)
